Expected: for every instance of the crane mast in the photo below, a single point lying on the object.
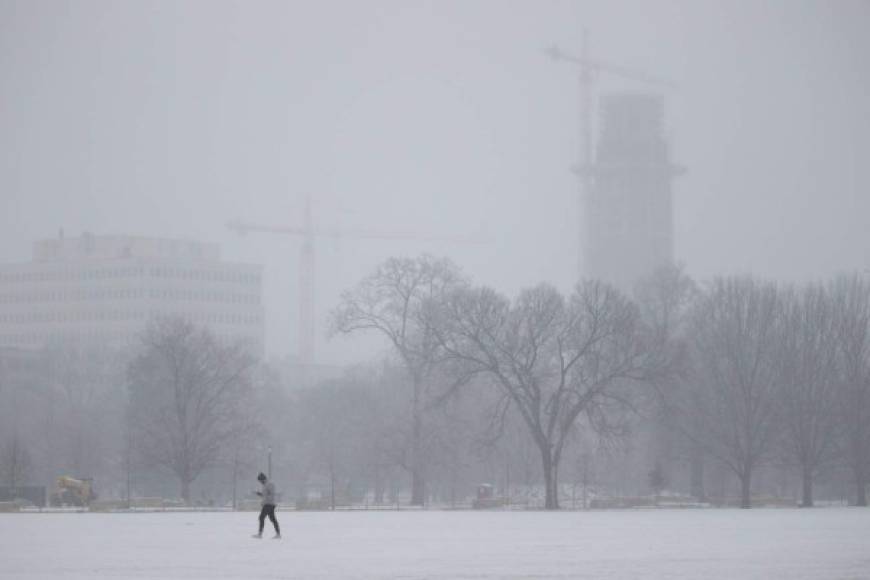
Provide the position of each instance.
(589, 70)
(307, 327)
(306, 292)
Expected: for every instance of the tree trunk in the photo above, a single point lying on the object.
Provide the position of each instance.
(379, 485)
(745, 494)
(235, 488)
(418, 489)
(807, 488)
(394, 492)
(185, 491)
(861, 484)
(551, 484)
(331, 490)
(418, 483)
(697, 474)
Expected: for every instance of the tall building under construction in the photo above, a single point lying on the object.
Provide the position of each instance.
(627, 222)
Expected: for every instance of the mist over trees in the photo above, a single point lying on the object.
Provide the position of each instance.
(851, 297)
(187, 397)
(554, 359)
(807, 391)
(734, 340)
(392, 302)
(732, 391)
(15, 462)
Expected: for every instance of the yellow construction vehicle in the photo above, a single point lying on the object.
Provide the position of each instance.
(70, 491)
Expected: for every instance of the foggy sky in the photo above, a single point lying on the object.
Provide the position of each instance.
(445, 118)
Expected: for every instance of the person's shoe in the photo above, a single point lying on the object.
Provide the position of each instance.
(258, 536)
(276, 537)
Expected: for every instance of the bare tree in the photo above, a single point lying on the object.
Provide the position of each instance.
(665, 299)
(851, 295)
(27, 415)
(86, 380)
(454, 427)
(15, 458)
(553, 359)
(15, 462)
(333, 427)
(807, 375)
(186, 391)
(733, 401)
(391, 302)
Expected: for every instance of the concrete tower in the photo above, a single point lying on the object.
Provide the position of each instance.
(627, 224)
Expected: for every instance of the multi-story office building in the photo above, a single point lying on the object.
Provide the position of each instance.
(105, 289)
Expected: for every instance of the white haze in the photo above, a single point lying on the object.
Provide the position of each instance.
(441, 118)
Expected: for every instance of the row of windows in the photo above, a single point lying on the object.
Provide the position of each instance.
(131, 272)
(79, 294)
(42, 317)
(123, 338)
(42, 338)
(207, 275)
(121, 315)
(24, 339)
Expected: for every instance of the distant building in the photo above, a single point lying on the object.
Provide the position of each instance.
(627, 228)
(105, 289)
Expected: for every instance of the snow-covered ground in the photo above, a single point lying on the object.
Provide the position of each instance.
(703, 544)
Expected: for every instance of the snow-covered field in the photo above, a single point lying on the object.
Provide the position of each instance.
(703, 544)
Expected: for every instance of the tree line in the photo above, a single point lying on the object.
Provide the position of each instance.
(745, 371)
(736, 375)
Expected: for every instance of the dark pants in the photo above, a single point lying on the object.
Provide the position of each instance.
(269, 510)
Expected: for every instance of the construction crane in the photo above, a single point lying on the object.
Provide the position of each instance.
(589, 70)
(308, 233)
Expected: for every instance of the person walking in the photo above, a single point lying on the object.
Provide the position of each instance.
(267, 500)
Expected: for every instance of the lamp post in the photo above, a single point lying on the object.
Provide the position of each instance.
(270, 463)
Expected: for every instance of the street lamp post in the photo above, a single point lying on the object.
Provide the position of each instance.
(270, 463)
